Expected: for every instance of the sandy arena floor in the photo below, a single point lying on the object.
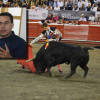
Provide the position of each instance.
(20, 84)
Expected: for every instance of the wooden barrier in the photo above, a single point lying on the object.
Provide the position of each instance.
(89, 34)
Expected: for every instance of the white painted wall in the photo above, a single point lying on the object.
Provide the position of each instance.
(23, 33)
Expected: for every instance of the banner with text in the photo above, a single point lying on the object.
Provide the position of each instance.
(37, 14)
(71, 15)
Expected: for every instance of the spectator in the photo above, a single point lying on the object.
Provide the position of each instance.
(75, 8)
(82, 18)
(95, 7)
(60, 4)
(19, 3)
(23, 4)
(16, 4)
(75, 2)
(5, 1)
(33, 6)
(56, 7)
(38, 7)
(49, 17)
(55, 17)
(63, 19)
(67, 22)
(69, 5)
(51, 3)
(50, 8)
(98, 9)
(87, 3)
(91, 17)
(83, 8)
(98, 18)
(44, 7)
(89, 8)
(96, 1)
(80, 3)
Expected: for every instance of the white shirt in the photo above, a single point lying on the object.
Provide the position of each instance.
(60, 4)
(56, 8)
(5, 1)
(82, 19)
(80, 4)
(91, 18)
(94, 9)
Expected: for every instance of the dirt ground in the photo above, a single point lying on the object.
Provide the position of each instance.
(20, 84)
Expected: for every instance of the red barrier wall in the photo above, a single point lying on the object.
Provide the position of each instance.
(86, 33)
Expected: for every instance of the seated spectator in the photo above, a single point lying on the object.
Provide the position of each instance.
(16, 5)
(55, 17)
(65, 4)
(60, 4)
(33, 6)
(87, 3)
(1, 3)
(63, 19)
(95, 1)
(44, 7)
(23, 4)
(83, 8)
(5, 2)
(95, 7)
(69, 5)
(98, 18)
(76, 22)
(19, 3)
(91, 17)
(98, 9)
(49, 17)
(82, 18)
(67, 22)
(75, 8)
(55, 3)
(50, 8)
(51, 3)
(60, 21)
(38, 7)
(56, 7)
(80, 3)
(54, 21)
(75, 2)
(89, 8)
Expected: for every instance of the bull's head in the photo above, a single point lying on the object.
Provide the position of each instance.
(38, 66)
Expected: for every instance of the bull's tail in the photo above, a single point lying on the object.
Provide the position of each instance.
(88, 48)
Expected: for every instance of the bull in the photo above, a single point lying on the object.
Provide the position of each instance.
(59, 53)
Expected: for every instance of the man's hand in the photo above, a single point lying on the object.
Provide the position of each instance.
(30, 44)
(5, 53)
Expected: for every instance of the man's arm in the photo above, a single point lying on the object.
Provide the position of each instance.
(36, 39)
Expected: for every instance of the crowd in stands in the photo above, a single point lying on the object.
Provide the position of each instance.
(73, 5)
(13, 3)
(59, 5)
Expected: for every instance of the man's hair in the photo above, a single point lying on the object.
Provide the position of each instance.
(44, 25)
(7, 14)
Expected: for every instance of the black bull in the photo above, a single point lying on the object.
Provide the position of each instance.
(59, 53)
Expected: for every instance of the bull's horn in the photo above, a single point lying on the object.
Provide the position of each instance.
(29, 60)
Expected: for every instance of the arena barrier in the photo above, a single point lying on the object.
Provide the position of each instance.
(84, 33)
(24, 62)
